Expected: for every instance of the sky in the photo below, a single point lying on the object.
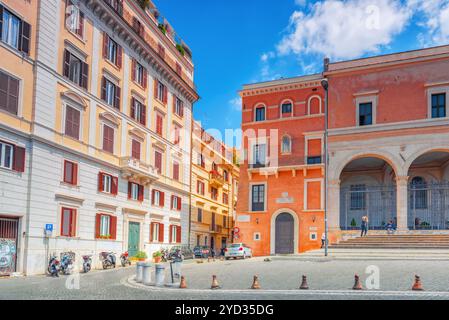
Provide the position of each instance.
(237, 42)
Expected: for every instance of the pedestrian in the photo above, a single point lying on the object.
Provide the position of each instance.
(364, 226)
(323, 240)
(390, 227)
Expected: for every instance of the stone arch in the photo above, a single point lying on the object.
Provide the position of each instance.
(309, 103)
(273, 230)
(74, 97)
(422, 152)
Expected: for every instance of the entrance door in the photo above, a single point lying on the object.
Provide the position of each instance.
(8, 245)
(285, 233)
(133, 238)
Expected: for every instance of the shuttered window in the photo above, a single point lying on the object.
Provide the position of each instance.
(159, 124)
(68, 222)
(105, 226)
(158, 161)
(135, 191)
(157, 232)
(108, 139)
(176, 203)
(72, 122)
(178, 106)
(9, 93)
(70, 172)
(107, 183)
(76, 70)
(175, 234)
(112, 51)
(74, 19)
(176, 171)
(157, 198)
(160, 91)
(138, 111)
(14, 31)
(12, 157)
(139, 74)
(135, 153)
(110, 93)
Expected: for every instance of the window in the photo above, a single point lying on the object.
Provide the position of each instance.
(177, 135)
(257, 236)
(200, 187)
(200, 215)
(108, 139)
(157, 232)
(9, 94)
(74, 19)
(76, 70)
(174, 234)
(365, 114)
(68, 222)
(214, 193)
(225, 198)
(286, 145)
(70, 172)
(14, 32)
(135, 152)
(106, 226)
(161, 50)
(72, 122)
(159, 124)
(314, 160)
(176, 171)
(439, 105)
(158, 161)
(176, 203)
(286, 108)
(107, 183)
(258, 198)
(112, 51)
(358, 197)
(135, 191)
(178, 107)
(110, 93)
(418, 194)
(139, 74)
(138, 111)
(6, 155)
(178, 69)
(259, 155)
(117, 5)
(225, 221)
(158, 198)
(160, 91)
(260, 114)
(201, 161)
(225, 176)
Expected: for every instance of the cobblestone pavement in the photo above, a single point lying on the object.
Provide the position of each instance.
(327, 280)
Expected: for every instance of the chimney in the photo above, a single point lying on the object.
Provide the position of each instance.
(326, 64)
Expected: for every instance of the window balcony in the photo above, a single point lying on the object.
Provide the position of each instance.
(135, 169)
(215, 179)
(216, 229)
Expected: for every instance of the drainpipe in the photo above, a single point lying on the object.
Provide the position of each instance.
(325, 85)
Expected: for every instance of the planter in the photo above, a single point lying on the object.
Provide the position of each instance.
(142, 259)
(157, 259)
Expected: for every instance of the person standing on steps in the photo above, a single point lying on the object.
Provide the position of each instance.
(323, 240)
(364, 226)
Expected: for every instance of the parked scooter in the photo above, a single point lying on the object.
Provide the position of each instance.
(53, 266)
(67, 263)
(124, 259)
(87, 263)
(108, 260)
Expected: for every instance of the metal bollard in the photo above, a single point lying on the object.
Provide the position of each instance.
(146, 274)
(139, 271)
(160, 275)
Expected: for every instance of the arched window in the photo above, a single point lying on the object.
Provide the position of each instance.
(314, 105)
(286, 108)
(260, 113)
(418, 194)
(286, 146)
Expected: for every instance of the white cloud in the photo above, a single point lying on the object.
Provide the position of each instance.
(236, 104)
(433, 16)
(344, 29)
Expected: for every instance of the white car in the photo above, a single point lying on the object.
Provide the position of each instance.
(238, 250)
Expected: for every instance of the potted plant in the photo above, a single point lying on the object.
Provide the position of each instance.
(141, 256)
(157, 257)
(162, 28)
(353, 223)
(143, 3)
(105, 237)
(181, 49)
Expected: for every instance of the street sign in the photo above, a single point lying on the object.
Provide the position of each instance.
(236, 230)
(48, 227)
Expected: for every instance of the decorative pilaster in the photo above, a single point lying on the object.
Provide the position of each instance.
(401, 201)
(333, 205)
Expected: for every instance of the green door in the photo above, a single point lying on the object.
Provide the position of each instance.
(133, 238)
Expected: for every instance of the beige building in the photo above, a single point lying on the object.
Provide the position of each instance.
(214, 184)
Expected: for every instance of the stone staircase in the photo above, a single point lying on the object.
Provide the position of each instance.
(406, 241)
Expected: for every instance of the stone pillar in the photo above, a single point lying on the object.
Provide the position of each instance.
(402, 203)
(333, 205)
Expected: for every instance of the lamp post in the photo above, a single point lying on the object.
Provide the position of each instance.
(325, 85)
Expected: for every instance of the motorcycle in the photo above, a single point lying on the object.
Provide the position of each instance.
(67, 263)
(124, 259)
(87, 263)
(53, 266)
(108, 260)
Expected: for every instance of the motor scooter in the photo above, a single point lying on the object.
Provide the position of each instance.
(108, 259)
(87, 263)
(67, 263)
(53, 266)
(124, 259)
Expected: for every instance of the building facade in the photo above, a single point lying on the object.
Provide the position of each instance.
(215, 179)
(388, 151)
(280, 206)
(95, 118)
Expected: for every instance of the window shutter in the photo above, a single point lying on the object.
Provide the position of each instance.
(114, 187)
(100, 182)
(182, 109)
(143, 116)
(117, 97)
(151, 231)
(97, 225)
(1, 19)
(119, 56)
(80, 30)
(174, 103)
(105, 44)
(178, 234)
(72, 222)
(103, 88)
(141, 193)
(19, 159)
(152, 196)
(156, 83)
(179, 203)
(129, 190)
(133, 69)
(133, 108)
(172, 201)
(84, 74)
(162, 197)
(113, 228)
(165, 95)
(161, 232)
(66, 67)
(25, 37)
(171, 233)
(145, 78)
(75, 174)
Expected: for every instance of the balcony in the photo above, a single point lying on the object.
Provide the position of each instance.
(216, 229)
(215, 179)
(135, 169)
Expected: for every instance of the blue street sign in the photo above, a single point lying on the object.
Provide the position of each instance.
(49, 227)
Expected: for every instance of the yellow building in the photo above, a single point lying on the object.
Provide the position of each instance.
(214, 185)
(95, 130)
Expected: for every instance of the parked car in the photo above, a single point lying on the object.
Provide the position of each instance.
(186, 252)
(201, 251)
(238, 250)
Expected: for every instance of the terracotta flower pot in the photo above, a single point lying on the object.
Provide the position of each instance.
(157, 259)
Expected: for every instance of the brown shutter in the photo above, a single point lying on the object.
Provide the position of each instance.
(119, 56)
(118, 92)
(97, 225)
(165, 94)
(170, 228)
(143, 116)
(178, 234)
(133, 108)
(156, 82)
(75, 174)
(141, 193)
(66, 66)
(100, 182)
(103, 88)
(145, 78)
(179, 203)
(80, 30)
(152, 196)
(19, 159)
(162, 197)
(113, 227)
(114, 187)
(129, 190)
(133, 71)
(172, 201)
(105, 44)
(84, 74)
(25, 38)
(161, 232)
(73, 223)
(151, 231)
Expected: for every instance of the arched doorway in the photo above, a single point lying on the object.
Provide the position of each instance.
(285, 234)
(367, 188)
(428, 192)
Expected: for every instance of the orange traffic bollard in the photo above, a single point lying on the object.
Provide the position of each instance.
(215, 284)
(183, 284)
(256, 284)
(417, 286)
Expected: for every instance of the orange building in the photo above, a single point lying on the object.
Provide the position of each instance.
(280, 206)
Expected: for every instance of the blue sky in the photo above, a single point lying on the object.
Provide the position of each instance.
(235, 42)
